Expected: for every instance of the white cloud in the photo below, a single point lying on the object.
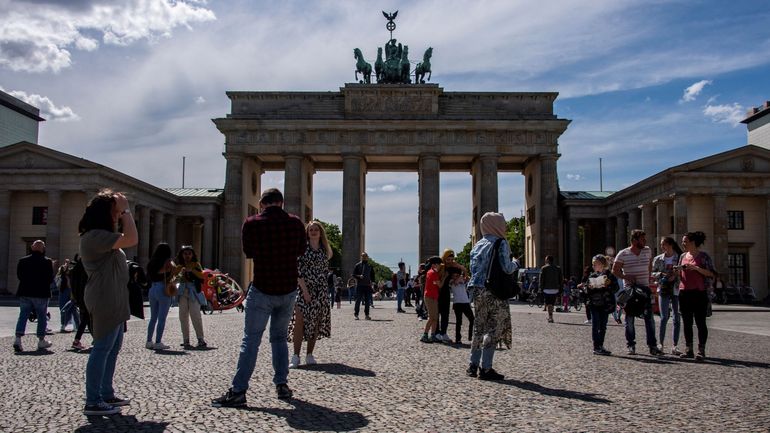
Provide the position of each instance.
(692, 92)
(725, 113)
(39, 37)
(575, 177)
(200, 100)
(48, 110)
(383, 188)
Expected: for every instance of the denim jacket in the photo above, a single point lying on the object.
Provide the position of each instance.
(659, 270)
(480, 255)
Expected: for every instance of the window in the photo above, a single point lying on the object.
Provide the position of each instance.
(40, 215)
(735, 220)
(737, 268)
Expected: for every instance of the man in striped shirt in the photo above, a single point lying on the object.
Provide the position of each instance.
(633, 266)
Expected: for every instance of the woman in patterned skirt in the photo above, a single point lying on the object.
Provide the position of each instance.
(312, 313)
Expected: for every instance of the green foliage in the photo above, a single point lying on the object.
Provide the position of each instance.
(514, 235)
(381, 272)
(464, 256)
(334, 236)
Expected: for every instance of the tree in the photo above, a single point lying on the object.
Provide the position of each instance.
(334, 236)
(514, 234)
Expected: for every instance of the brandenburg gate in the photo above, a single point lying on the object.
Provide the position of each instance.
(391, 127)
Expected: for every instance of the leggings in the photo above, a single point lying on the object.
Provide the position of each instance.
(85, 320)
(693, 305)
(443, 309)
(459, 310)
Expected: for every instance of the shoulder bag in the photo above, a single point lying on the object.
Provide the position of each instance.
(501, 285)
(171, 288)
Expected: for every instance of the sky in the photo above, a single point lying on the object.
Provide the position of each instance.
(134, 84)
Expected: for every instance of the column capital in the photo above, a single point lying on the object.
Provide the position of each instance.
(549, 156)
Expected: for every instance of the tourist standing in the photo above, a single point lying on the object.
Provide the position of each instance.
(444, 297)
(601, 286)
(430, 301)
(492, 315)
(461, 303)
(668, 289)
(35, 272)
(106, 293)
(696, 272)
(363, 272)
(273, 240)
(190, 274)
(401, 278)
(312, 318)
(633, 265)
(160, 272)
(67, 307)
(550, 282)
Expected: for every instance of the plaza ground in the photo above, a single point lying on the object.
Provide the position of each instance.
(376, 376)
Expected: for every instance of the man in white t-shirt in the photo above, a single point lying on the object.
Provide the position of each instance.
(633, 266)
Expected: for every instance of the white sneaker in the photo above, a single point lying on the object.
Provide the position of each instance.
(310, 359)
(446, 339)
(43, 344)
(160, 346)
(586, 322)
(294, 361)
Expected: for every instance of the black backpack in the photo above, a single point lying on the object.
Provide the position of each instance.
(501, 285)
(78, 280)
(638, 302)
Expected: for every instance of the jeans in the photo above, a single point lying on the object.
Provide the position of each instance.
(599, 318)
(362, 294)
(665, 302)
(101, 366)
(443, 310)
(694, 304)
(259, 308)
(649, 328)
(399, 297)
(27, 305)
(332, 294)
(351, 294)
(159, 306)
(70, 312)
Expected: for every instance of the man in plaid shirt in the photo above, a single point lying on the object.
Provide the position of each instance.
(273, 240)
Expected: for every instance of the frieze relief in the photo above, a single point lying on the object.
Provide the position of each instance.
(390, 104)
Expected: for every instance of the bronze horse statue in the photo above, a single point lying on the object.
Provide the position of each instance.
(379, 65)
(362, 66)
(424, 67)
(405, 65)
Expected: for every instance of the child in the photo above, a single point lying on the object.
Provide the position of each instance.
(601, 288)
(431, 301)
(461, 304)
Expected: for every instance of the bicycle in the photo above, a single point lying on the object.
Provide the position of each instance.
(536, 299)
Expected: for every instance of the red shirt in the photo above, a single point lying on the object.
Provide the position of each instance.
(431, 284)
(692, 279)
(273, 240)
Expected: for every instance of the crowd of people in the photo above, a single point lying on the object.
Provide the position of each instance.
(294, 290)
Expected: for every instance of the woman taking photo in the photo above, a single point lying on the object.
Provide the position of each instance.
(600, 286)
(448, 261)
(695, 268)
(493, 316)
(312, 312)
(160, 272)
(668, 289)
(105, 296)
(190, 278)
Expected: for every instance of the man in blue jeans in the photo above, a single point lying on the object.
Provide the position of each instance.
(35, 273)
(272, 239)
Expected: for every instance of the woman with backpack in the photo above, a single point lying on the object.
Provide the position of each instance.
(695, 270)
(190, 278)
(492, 315)
(668, 289)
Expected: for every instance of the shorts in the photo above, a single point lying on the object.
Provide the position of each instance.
(432, 306)
(550, 299)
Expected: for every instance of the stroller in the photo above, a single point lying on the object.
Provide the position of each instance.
(221, 291)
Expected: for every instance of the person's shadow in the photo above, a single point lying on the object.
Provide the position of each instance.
(339, 369)
(555, 392)
(312, 417)
(121, 423)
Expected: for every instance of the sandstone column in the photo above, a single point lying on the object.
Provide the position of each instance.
(680, 215)
(170, 225)
(292, 185)
(5, 238)
(549, 210)
(573, 247)
(428, 218)
(485, 194)
(719, 252)
(353, 210)
(634, 220)
(621, 235)
(306, 195)
(662, 224)
(158, 229)
(233, 259)
(53, 226)
(609, 233)
(144, 236)
(207, 255)
(648, 226)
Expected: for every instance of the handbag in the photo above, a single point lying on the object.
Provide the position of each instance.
(501, 285)
(170, 288)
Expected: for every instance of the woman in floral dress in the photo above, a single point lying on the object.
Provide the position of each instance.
(312, 313)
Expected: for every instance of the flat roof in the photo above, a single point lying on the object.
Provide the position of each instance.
(20, 106)
(585, 195)
(757, 112)
(196, 192)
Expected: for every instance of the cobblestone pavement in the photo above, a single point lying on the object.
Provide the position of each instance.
(376, 376)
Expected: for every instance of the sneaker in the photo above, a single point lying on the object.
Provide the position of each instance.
(149, 345)
(424, 339)
(43, 344)
(550, 320)
(472, 370)
(187, 346)
(701, 354)
(490, 374)
(357, 318)
(605, 352)
(77, 345)
(117, 401)
(436, 338)
(400, 311)
(654, 351)
(160, 346)
(310, 359)
(201, 344)
(294, 363)
(586, 322)
(446, 339)
(100, 409)
(687, 354)
(368, 318)
(675, 351)
(230, 399)
(17, 347)
(631, 350)
(283, 391)
(598, 352)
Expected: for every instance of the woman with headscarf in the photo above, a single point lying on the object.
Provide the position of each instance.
(493, 316)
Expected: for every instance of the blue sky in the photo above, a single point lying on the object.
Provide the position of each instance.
(134, 84)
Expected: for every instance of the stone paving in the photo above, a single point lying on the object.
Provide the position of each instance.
(376, 376)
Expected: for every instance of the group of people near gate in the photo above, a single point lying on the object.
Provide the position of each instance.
(289, 290)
